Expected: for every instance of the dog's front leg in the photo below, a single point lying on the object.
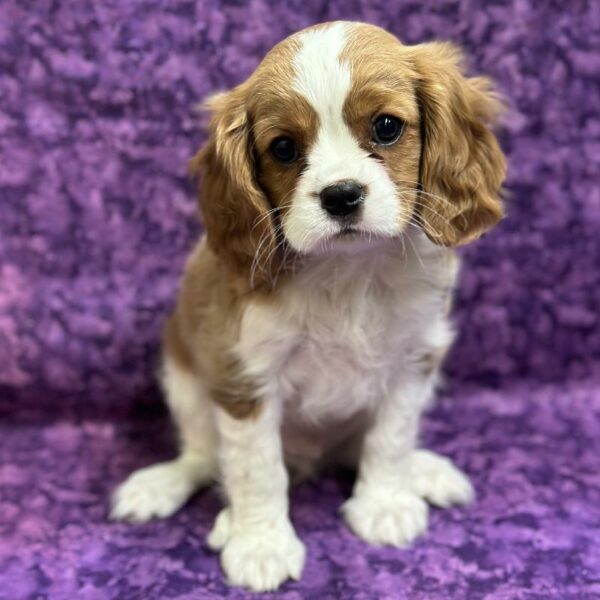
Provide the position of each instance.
(258, 544)
(394, 479)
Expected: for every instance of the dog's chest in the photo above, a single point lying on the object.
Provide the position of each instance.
(331, 345)
(342, 352)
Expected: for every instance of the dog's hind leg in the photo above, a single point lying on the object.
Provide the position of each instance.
(160, 490)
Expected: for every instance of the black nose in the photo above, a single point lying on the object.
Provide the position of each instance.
(342, 198)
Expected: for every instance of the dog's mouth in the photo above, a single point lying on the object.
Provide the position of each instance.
(347, 232)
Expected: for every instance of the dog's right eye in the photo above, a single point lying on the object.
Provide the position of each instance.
(284, 149)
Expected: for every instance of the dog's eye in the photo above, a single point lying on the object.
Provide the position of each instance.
(386, 130)
(284, 149)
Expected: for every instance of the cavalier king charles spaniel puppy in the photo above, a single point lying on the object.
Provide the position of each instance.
(314, 314)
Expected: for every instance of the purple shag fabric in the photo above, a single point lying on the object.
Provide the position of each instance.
(96, 217)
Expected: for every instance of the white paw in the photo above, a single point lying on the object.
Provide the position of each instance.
(435, 478)
(384, 517)
(259, 557)
(154, 492)
(221, 531)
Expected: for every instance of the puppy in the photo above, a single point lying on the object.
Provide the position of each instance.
(313, 315)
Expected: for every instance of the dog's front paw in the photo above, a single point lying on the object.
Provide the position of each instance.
(257, 557)
(386, 517)
(435, 478)
(154, 492)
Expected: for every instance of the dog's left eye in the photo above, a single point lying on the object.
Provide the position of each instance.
(386, 130)
(284, 149)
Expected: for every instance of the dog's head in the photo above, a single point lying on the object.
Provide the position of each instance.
(342, 132)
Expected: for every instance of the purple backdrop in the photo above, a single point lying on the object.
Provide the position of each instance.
(96, 217)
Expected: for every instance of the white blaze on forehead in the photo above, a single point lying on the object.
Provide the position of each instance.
(320, 75)
(325, 80)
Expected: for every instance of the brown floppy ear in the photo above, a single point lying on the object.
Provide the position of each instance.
(233, 206)
(462, 165)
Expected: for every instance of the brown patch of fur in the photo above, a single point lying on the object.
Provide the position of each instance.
(277, 110)
(240, 180)
(205, 327)
(293, 117)
(228, 386)
(383, 84)
(235, 392)
(462, 166)
(232, 201)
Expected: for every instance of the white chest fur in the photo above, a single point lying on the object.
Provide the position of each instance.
(346, 326)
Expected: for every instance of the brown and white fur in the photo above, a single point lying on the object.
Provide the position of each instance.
(298, 339)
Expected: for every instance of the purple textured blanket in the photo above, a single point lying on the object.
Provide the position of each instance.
(96, 217)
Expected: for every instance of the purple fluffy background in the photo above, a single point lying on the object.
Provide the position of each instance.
(96, 217)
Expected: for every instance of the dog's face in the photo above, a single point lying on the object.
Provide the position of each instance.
(343, 133)
(337, 139)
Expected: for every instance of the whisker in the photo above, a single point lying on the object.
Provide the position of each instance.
(436, 213)
(265, 236)
(268, 213)
(418, 255)
(271, 254)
